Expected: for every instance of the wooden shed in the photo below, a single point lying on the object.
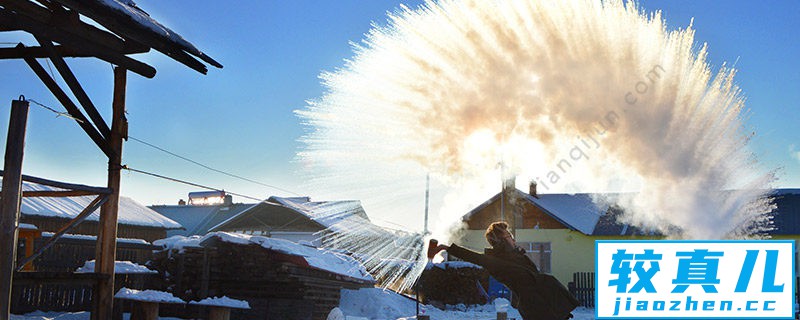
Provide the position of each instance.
(280, 279)
(50, 214)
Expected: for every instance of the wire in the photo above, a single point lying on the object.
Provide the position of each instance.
(58, 113)
(210, 168)
(188, 183)
(65, 114)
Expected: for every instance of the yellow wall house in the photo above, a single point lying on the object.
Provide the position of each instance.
(559, 230)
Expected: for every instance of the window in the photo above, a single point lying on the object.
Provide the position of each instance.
(539, 253)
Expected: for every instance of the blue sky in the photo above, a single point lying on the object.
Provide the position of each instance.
(240, 119)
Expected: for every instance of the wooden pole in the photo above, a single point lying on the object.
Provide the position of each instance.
(11, 199)
(219, 313)
(107, 236)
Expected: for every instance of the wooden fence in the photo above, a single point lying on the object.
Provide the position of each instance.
(69, 254)
(54, 287)
(66, 291)
(582, 287)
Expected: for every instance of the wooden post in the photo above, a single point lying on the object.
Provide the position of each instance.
(145, 310)
(11, 199)
(107, 233)
(219, 313)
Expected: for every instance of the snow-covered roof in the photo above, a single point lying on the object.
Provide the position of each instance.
(199, 219)
(577, 211)
(781, 192)
(316, 258)
(574, 211)
(130, 211)
(94, 238)
(125, 18)
(332, 215)
(581, 212)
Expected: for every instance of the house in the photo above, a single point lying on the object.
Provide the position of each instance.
(294, 218)
(203, 211)
(50, 214)
(558, 230)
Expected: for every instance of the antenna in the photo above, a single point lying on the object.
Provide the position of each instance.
(427, 200)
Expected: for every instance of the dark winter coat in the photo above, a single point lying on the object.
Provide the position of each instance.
(537, 296)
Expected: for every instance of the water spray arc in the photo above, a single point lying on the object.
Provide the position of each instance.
(452, 86)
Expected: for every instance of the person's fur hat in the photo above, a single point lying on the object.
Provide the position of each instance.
(496, 233)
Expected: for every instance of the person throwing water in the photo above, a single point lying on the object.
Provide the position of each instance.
(536, 295)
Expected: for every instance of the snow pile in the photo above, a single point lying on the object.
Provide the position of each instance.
(379, 304)
(376, 303)
(222, 302)
(84, 315)
(179, 242)
(27, 226)
(40, 315)
(119, 267)
(147, 295)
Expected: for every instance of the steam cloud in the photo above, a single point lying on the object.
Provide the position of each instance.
(455, 87)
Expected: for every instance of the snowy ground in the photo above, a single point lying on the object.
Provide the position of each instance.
(374, 304)
(472, 313)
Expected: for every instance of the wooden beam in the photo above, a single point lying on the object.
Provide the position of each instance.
(76, 88)
(56, 194)
(92, 207)
(73, 110)
(68, 38)
(68, 22)
(64, 185)
(39, 52)
(10, 202)
(107, 237)
(124, 25)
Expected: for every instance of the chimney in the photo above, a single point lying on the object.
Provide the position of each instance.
(228, 200)
(509, 184)
(532, 189)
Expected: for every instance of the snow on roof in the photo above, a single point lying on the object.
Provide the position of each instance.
(93, 238)
(147, 296)
(130, 211)
(120, 267)
(783, 192)
(577, 211)
(330, 214)
(222, 302)
(198, 219)
(317, 258)
(130, 9)
(334, 215)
